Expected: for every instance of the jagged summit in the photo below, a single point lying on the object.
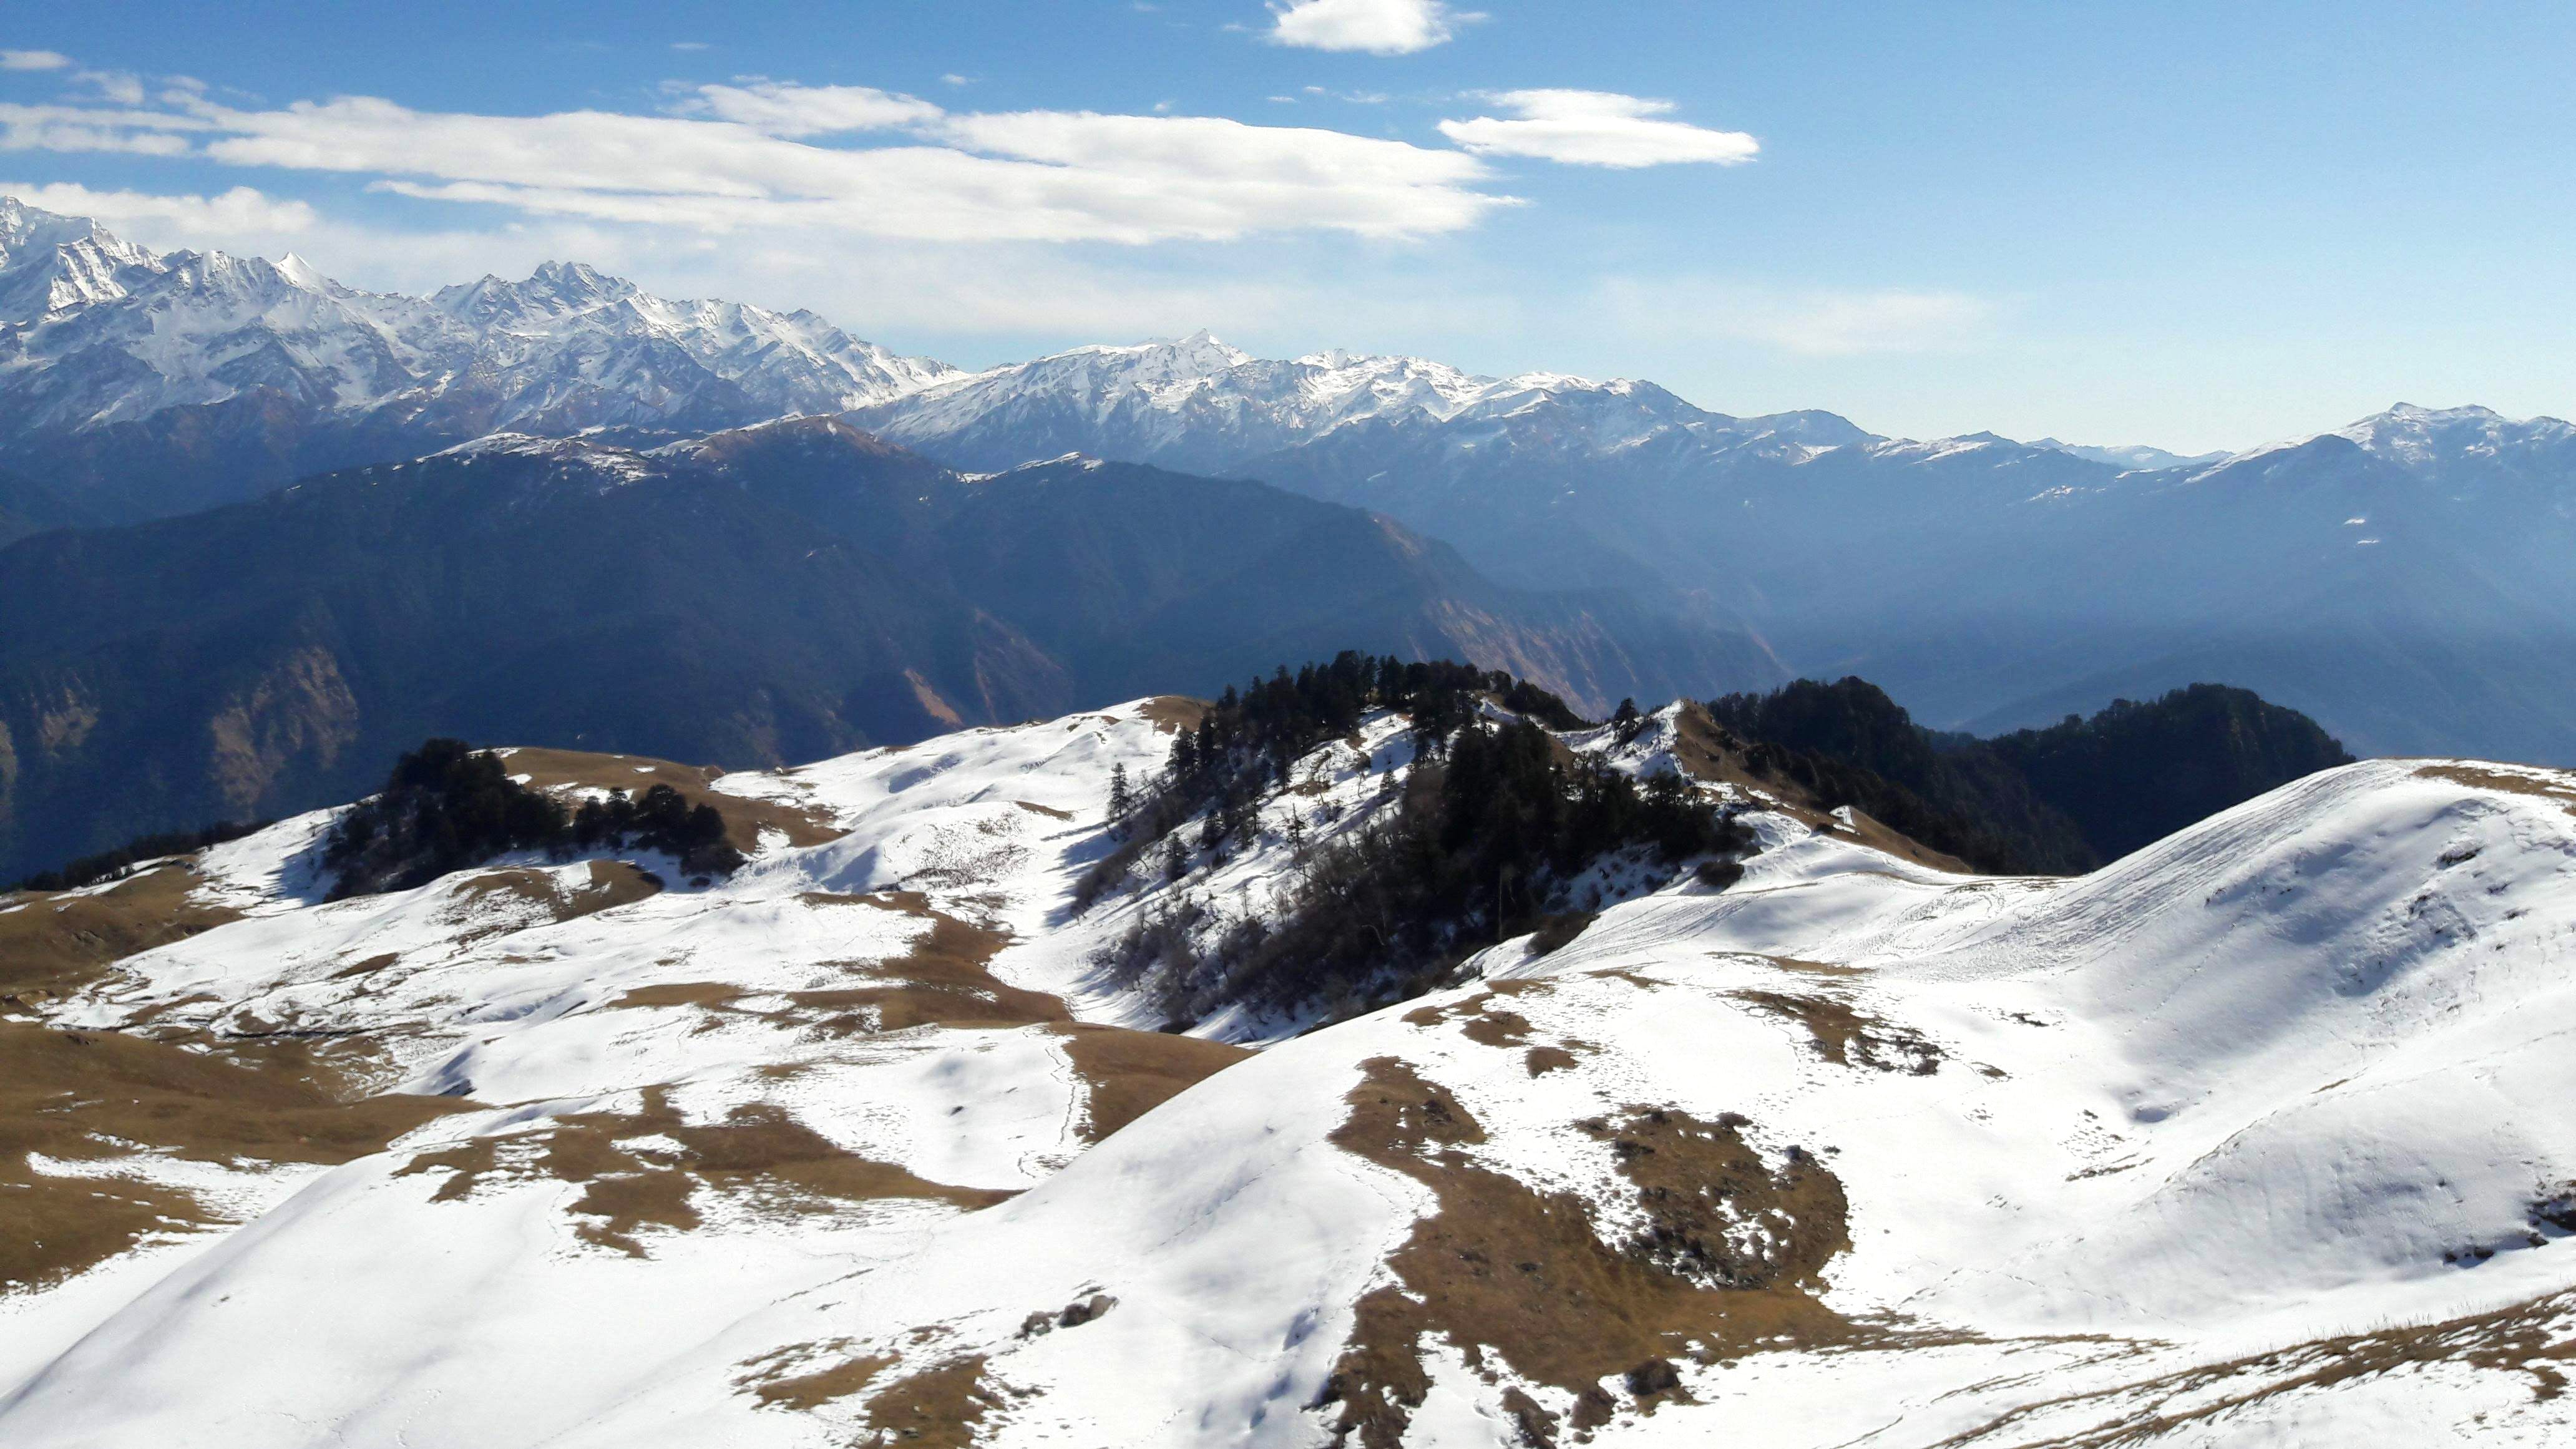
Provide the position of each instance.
(111, 336)
(51, 264)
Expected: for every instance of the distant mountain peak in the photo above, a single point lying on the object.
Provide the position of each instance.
(2132, 456)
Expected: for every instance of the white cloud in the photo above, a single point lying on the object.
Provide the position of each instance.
(1379, 27)
(1596, 128)
(778, 109)
(687, 46)
(92, 128)
(954, 79)
(1037, 175)
(150, 219)
(1842, 326)
(121, 87)
(33, 60)
(1823, 323)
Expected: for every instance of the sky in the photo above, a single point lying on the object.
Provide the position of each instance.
(2198, 226)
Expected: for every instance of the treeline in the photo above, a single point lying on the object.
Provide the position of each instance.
(1246, 743)
(114, 864)
(1486, 835)
(2061, 800)
(449, 807)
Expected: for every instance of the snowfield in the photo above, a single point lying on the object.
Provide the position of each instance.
(2259, 1136)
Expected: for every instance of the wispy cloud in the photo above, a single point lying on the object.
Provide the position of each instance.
(93, 128)
(1376, 27)
(149, 217)
(34, 60)
(1814, 323)
(1596, 128)
(753, 154)
(778, 109)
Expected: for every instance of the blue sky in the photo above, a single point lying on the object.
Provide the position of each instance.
(2194, 225)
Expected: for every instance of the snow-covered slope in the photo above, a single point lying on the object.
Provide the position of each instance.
(2258, 1136)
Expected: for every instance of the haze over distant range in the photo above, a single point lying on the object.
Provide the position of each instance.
(1974, 217)
(2404, 580)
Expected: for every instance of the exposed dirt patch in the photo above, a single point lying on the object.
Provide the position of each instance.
(551, 899)
(1173, 713)
(2544, 784)
(100, 1098)
(1558, 932)
(1847, 1038)
(1129, 1073)
(1485, 1023)
(943, 981)
(679, 993)
(53, 944)
(2536, 1339)
(1545, 1059)
(1522, 1283)
(634, 1179)
(744, 818)
(777, 1389)
(1809, 968)
(937, 1408)
(1716, 1214)
(1049, 811)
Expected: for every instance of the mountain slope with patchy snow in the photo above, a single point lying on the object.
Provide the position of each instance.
(2257, 1136)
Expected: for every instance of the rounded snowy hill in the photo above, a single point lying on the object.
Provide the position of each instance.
(2259, 1135)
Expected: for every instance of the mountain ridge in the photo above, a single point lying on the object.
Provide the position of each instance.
(772, 594)
(1983, 581)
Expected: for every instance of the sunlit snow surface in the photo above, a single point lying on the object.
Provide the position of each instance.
(2121, 1153)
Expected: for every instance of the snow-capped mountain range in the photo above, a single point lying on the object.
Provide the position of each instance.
(99, 337)
(1991, 583)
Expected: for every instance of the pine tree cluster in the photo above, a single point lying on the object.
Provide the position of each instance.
(109, 865)
(449, 807)
(1494, 818)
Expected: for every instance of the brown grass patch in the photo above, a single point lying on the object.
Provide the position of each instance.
(1521, 1280)
(2530, 1338)
(744, 818)
(1545, 1059)
(678, 993)
(1847, 1038)
(937, 1408)
(758, 1151)
(92, 1097)
(609, 884)
(1126, 1074)
(1173, 713)
(54, 944)
(943, 981)
(1485, 1025)
(1707, 750)
(809, 1391)
(2560, 787)
(1555, 933)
